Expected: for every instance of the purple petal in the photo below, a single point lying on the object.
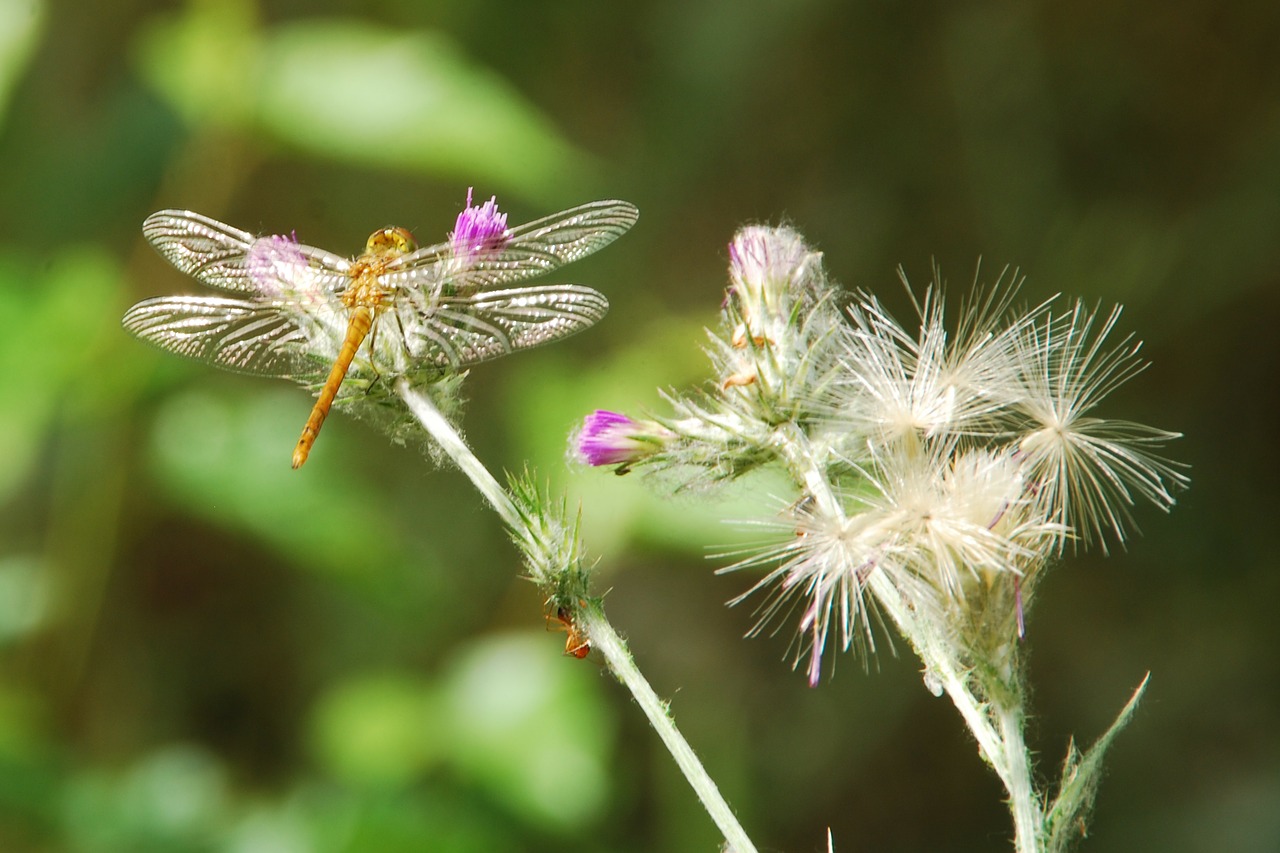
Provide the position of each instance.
(607, 438)
(272, 260)
(480, 229)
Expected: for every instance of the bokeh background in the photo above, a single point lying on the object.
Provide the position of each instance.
(203, 650)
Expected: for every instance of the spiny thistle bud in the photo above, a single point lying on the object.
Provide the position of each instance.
(609, 438)
(770, 269)
(480, 229)
(775, 282)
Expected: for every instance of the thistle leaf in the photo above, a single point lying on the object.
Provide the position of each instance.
(1081, 773)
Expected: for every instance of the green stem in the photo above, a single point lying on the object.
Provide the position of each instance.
(605, 640)
(1028, 815)
(451, 442)
(590, 619)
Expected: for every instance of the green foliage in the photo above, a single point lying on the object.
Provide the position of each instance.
(357, 92)
(175, 604)
(42, 305)
(525, 727)
(21, 25)
(1081, 775)
(226, 457)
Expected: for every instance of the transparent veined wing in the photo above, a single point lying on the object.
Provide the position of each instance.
(464, 330)
(238, 335)
(528, 250)
(235, 261)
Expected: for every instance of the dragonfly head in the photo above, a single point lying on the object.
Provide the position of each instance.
(390, 242)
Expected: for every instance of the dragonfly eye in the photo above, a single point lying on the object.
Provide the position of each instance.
(390, 241)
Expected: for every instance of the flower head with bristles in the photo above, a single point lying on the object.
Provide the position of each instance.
(769, 270)
(1087, 470)
(943, 465)
(481, 229)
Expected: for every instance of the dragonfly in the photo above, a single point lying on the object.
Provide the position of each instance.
(301, 313)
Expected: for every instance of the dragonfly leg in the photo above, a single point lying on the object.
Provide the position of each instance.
(373, 362)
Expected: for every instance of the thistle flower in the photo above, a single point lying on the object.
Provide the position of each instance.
(778, 320)
(609, 438)
(939, 470)
(953, 459)
(900, 386)
(769, 270)
(941, 526)
(274, 261)
(821, 562)
(480, 229)
(1086, 471)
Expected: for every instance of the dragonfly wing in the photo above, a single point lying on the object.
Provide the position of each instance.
(464, 331)
(236, 261)
(246, 337)
(527, 251)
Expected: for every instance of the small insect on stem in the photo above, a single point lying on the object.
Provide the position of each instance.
(576, 643)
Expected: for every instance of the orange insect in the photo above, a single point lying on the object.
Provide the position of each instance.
(576, 644)
(336, 324)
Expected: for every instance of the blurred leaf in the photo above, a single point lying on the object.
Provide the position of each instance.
(529, 724)
(177, 790)
(59, 316)
(204, 62)
(355, 91)
(373, 731)
(22, 723)
(31, 774)
(24, 598)
(269, 830)
(406, 100)
(227, 458)
(1081, 774)
(21, 25)
(436, 820)
(174, 799)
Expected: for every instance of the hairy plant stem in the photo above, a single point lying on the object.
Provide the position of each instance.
(993, 712)
(590, 620)
(1024, 803)
(452, 443)
(614, 650)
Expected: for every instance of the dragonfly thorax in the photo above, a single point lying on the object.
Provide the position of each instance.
(383, 247)
(393, 241)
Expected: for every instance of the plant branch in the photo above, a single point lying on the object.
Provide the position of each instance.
(452, 443)
(615, 652)
(590, 619)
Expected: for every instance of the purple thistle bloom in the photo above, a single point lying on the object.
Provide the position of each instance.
(274, 260)
(480, 229)
(608, 438)
(766, 262)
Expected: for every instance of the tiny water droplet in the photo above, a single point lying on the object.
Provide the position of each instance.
(932, 682)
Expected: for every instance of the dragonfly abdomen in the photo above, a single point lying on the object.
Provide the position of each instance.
(357, 330)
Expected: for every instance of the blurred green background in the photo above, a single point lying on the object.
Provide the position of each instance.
(206, 651)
